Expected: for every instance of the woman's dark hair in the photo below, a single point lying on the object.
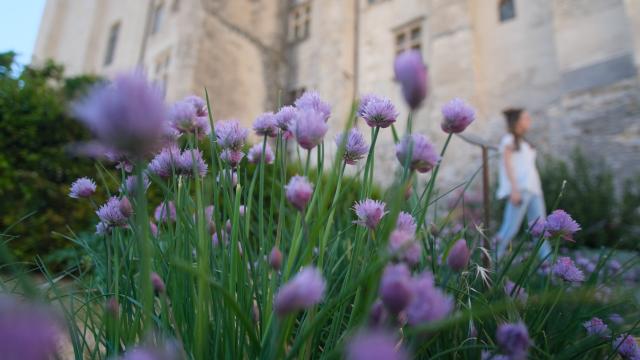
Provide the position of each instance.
(512, 115)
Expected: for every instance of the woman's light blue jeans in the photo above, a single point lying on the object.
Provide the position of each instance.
(531, 205)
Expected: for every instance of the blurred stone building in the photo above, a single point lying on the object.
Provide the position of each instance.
(572, 63)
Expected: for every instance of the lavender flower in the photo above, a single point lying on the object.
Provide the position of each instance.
(27, 331)
(458, 258)
(190, 159)
(127, 115)
(378, 112)
(406, 223)
(131, 184)
(232, 157)
(110, 213)
(596, 326)
(627, 347)
(166, 162)
(275, 258)
(355, 147)
(185, 119)
(255, 154)
(285, 117)
(520, 294)
(165, 212)
(369, 213)
(428, 303)
(364, 101)
(310, 100)
(514, 340)
(153, 228)
(423, 158)
(537, 228)
(375, 345)
(395, 288)
(265, 125)
(456, 116)
(169, 350)
(157, 283)
(309, 128)
(411, 72)
(82, 188)
(125, 207)
(230, 135)
(298, 192)
(121, 160)
(559, 223)
(404, 247)
(198, 104)
(566, 270)
(304, 290)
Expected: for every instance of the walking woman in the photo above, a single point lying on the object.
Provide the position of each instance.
(519, 181)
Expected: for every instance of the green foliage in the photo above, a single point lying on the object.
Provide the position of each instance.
(608, 218)
(35, 168)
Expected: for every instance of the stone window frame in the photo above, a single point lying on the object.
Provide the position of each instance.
(375, 2)
(161, 66)
(408, 36)
(112, 43)
(299, 21)
(506, 10)
(157, 17)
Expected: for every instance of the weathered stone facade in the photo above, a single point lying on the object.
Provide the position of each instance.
(572, 63)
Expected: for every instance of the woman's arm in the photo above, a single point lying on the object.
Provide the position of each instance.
(515, 197)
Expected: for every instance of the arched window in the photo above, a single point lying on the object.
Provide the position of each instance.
(507, 9)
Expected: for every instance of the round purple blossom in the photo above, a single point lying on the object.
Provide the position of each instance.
(566, 270)
(459, 254)
(627, 347)
(275, 258)
(395, 288)
(514, 340)
(406, 223)
(298, 192)
(255, 154)
(232, 157)
(456, 116)
(304, 290)
(285, 117)
(369, 213)
(190, 159)
(411, 72)
(131, 184)
(121, 160)
(375, 345)
(404, 247)
(596, 326)
(537, 228)
(169, 350)
(157, 283)
(355, 147)
(165, 212)
(83, 187)
(510, 289)
(110, 213)
(265, 125)
(310, 100)
(185, 119)
(428, 303)
(230, 135)
(378, 112)
(424, 157)
(364, 100)
(309, 128)
(128, 115)
(559, 223)
(166, 162)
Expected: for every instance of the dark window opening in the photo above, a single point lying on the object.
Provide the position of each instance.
(111, 44)
(507, 10)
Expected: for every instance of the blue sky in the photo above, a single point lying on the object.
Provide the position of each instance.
(19, 21)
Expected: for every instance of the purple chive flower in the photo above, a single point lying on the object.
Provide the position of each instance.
(355, 147)
(406, 223)
(456, 116)
(27, 331)
(309, 128)
(157, 283)
(459, 254)
(232, 157)
(198, 104)
(228, 176)
(102, 228)
(131, 184)
(110, 213)
(298, 192)
(165, 212)
(310, 100)
(404, 247)
(369, 213)
(537, 228)
(514, 340)
(304, 290)
(596, 326)
(424, 157)
(364, 100)
(520, 294)
(411, 72)
(166, 162)
(153, 228)
(169, 350)
(559, 223)
(265, 125)
(230, 135)
(275, 258)
(627, 347)
(395, 288)
(428, 303)
(184, 118)
(378, 314)
(566, 270)
(128, 115)
(190, 159)
(375, 345)
(125, 207)
(255, 154)
(285, 117)
(378, 112)
(83, 187)
(121, 160)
